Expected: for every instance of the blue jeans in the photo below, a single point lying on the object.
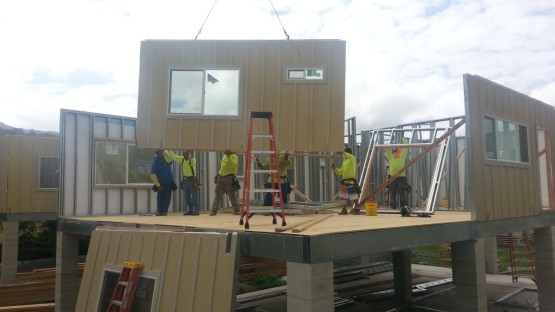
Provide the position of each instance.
(268, 196)
(163, 198)
(190, 194)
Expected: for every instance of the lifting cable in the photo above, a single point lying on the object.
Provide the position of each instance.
(214, 4)
(198, 33)
(284, 31)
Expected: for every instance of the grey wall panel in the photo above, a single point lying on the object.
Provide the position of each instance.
(100, 128)
(83, 165)
(79, 130)
(68, 159)
(99, 202)
(115, 128)
(114, 201)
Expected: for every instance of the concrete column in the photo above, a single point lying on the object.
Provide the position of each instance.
(402, 275)
(9, 252)
(544, 246)
(490, 244)
(310, 287)
(469, 274)
(67, 278)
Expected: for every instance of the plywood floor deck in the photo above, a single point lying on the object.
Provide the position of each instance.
(263, 223)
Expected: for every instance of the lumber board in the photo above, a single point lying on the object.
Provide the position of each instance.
(39, 307)
(288, 227)
(306, 226)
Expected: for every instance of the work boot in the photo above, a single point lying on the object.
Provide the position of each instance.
(355, 211)
(188, 213)
(213, 213)
(344, 211)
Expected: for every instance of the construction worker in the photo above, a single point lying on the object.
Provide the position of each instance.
(349, 184)
(190, 183)
(396, 158)
(162, 176)
(225, 181)
(283, 163)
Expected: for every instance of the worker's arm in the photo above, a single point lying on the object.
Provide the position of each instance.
(154, 178)
(173, 156)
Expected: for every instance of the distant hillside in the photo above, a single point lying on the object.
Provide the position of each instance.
(6, 129)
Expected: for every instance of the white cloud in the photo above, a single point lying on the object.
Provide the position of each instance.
(405, 59)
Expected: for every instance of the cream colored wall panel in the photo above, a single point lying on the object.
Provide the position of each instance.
(197, 270)
(173, 132)
(503, 189)
(21, 174)
(262, 66)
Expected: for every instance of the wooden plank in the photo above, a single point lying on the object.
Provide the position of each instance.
(306, 226)
(288, 227)
(301, 195)
(39, 307)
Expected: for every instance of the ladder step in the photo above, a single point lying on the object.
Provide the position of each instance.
(117, 302)
(261, 114)
(123, 283)
(264, 190)
(267, 211)
(262, 136)
(264, 171)
(263, 152)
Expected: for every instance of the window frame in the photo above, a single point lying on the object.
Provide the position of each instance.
(40, 168)
(491, 141)
(306, 78)
(117, 269)
(205, 73)
(126, 184)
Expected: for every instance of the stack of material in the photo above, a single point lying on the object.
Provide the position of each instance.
(38, 287)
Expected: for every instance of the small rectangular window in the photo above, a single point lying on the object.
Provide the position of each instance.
(505, 140)
(49, 176)
(305, 74)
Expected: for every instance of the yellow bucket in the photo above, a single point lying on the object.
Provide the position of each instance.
(445, 203)
(371, 208)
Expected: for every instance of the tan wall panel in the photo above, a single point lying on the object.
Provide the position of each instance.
(503, 189)
(4, 147)
(191, 265)
(263, 67)
(21, 174)
(303, 113)
(173, 132)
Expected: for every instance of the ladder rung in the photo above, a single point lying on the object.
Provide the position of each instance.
(264, 171)
(264, 190)
(264, 210)
(117, 302)
(262, 136)
(263, 152)
(123, 283)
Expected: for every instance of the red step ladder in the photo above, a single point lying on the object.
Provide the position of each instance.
(124, 293)
(520, 258)
(246, 212)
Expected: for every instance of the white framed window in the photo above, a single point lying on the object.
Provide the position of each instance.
(204, 92)
(146, 295)
(121, 163)
(505, 140)
(305, 74)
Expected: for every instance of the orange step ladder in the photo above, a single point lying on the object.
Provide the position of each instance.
(246, 212)
(124, 293)
(520, 258)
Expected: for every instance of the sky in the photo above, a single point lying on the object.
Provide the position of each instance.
(405, 58)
